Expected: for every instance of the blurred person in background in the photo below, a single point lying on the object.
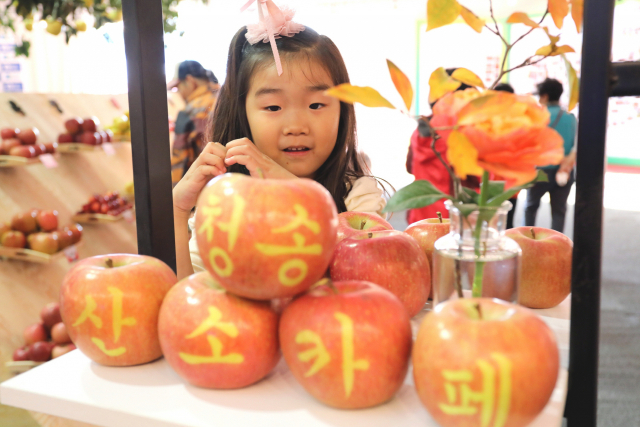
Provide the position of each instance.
(199, 88)
(561, 177)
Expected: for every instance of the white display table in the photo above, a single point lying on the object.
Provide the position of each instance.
(74, 387)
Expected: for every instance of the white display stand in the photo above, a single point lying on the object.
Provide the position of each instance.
(153, 395)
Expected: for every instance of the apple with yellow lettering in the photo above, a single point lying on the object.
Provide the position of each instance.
(348, 343)
(110, 306)
(214, 339)
(484, 362)
(390, 259)
(545, 279)
(265, 238)
(353, 223)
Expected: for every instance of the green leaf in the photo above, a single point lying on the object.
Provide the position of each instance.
(469, 196)
(466, 208)
(418, 194)
(499, 199)
(495, 188)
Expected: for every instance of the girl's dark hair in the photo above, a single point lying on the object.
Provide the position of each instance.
(229, 119)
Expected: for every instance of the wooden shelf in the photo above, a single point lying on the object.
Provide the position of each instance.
(29, 255)
(78, 147)
(89, 218)
(13, 161)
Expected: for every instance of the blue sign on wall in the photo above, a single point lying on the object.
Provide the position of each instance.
(12, 87)
(9, 68)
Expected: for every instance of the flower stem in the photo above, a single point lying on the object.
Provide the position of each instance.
(476, 289)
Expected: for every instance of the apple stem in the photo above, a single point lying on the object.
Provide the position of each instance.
(369, 235)
(533, 234)
(439, 216)
(331, 286)
(478, 309)
(362, 224)
(109, 263)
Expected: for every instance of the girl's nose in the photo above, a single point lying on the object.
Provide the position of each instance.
(296, 125)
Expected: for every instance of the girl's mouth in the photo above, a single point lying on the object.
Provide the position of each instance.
(296, 149)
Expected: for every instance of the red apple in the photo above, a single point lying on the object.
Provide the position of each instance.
(4, 228)
(65, 238)
(47, 220)
(35, 333)
(90, 124)
(51, 147)
(24, 222)
(8, 144)
(352, 224)
(478, 361)
(20, 354)
(43, 242)
(390, 259)
(265, 238)
(23, 151)
(110, 305)
(28, 136)
(73, 126)
(78, 137)
(545, 278)
(13, 239)
(76, 230)
(65, 138)
(40, 148)
(50, 315)
(8, 133)
(107, 136)
(59, 334)
(59, 350)
(40, 351)
(214, 339)
(91, 138)
(347, 343)
(426, 232)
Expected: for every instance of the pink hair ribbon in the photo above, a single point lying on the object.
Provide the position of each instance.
(273, 24)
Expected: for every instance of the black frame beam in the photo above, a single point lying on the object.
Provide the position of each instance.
(144, 47)
(626, 79)
(595, 89)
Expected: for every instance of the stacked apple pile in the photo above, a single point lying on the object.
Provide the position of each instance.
(85, 131)
(24, 143)
(38, 230)
(110, 203)
(47, 339)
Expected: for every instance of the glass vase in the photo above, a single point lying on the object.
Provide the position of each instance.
(476, 259)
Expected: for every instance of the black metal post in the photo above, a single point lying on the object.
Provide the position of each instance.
(144, 47)
(626, 79)
(595, 84)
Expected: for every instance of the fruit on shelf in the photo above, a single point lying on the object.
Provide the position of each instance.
(110, 203)
(110, 305)
(13, 239)
(47, 220)
(214, 339)
(76, 231)
(25, 222)
(40, 351)
(43, 242)
(26, 151)
(90, 124)
(121, 126)
(59, 333)
(391, 259)
(28, 136)
(65, 138)
(34, 333)
(60, 350)
(50, 315)
(498, 360)
(20, 354)
(351, 224)
(347, 343)
(65, 238)
(545, 279)
(73, 125)
(8, 133)
(91, 138)
(8, 144)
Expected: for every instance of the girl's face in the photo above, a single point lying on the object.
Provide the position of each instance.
(291, 119)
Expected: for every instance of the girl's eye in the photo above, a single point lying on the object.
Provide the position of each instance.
(273, 108)
(316, 106)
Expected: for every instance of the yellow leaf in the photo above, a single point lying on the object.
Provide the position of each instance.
(467, 77)
(441, 13)
(577, 7)
(440, 84)
(552, 39)
(367, 96)
(402, 84)
(472, 20)
(558, 10)
(485, 108)
(462, 155)
(574, 84)
(521, 18)
(545, 50)
(560, 50)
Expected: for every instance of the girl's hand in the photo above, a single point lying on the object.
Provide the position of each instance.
(244, 152)
(208, 165)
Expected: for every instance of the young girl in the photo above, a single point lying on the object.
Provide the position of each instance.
(279, 126)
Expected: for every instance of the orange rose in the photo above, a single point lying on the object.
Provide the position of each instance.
(502, 133)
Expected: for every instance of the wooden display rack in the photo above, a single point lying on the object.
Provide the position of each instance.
(75, 147)
(29, 255)
(13, 161)
(96, 218)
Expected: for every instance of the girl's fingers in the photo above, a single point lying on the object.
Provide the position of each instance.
(207, 171)
(242, 149)
(238, 142)
(241, 159)
(212, 160)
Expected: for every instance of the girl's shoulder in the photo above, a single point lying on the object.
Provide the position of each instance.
(365, 195)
